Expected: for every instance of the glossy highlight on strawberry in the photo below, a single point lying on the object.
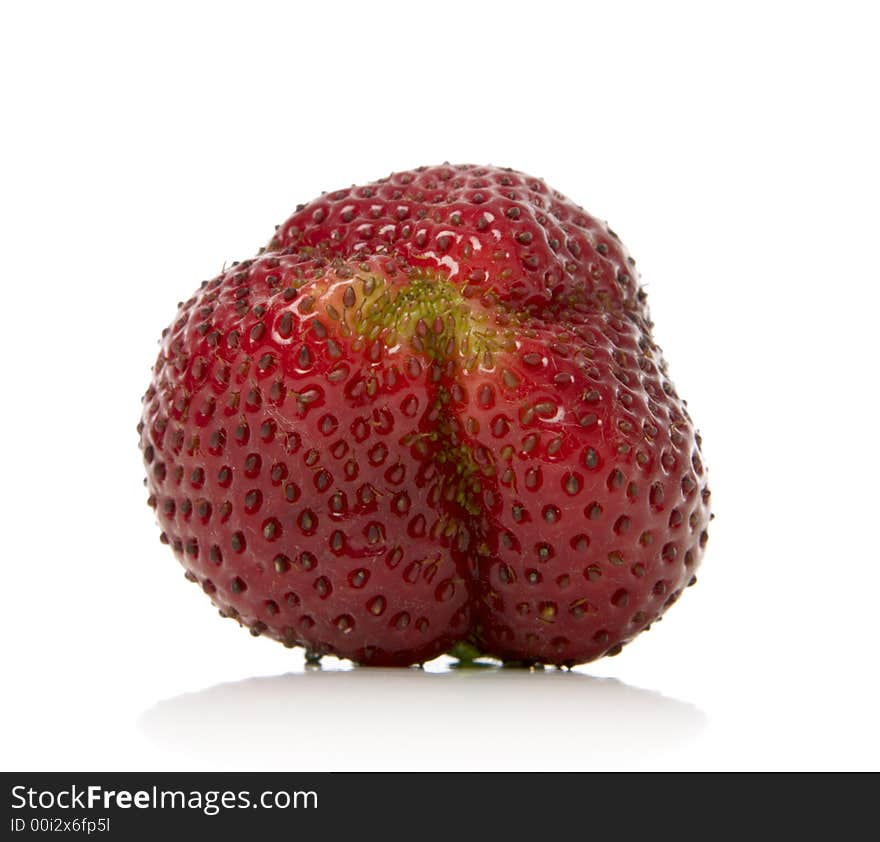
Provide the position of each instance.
(429, 414)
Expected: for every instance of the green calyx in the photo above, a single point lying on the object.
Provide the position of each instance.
(466, 653)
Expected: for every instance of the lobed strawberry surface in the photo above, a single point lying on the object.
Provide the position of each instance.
(430, 412)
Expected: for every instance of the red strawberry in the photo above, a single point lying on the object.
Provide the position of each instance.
(430, 413)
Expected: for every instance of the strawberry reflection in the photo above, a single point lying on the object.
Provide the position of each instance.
(441, 718)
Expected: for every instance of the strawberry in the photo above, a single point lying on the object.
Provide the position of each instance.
(428, 417)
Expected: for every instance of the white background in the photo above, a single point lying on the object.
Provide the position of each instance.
(735, 149)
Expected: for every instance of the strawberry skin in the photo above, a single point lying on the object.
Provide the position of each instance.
(500, 234)
(292, 468)
(596, 518)
(430, 412)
